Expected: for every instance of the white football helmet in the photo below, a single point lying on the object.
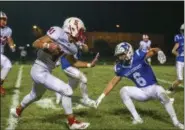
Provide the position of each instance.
(124, 48)
(75, 27)
(3, 15)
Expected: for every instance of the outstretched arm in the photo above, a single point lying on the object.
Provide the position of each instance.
(107, 90)
(161, 56)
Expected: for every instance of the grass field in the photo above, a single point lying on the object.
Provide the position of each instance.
(111, 114)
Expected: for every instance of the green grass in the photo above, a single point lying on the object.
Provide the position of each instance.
(111, 114)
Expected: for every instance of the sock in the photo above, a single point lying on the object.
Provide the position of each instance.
(169, 108)
(67, 104)
(83, 89)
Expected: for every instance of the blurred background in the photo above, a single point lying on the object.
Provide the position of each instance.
(107, 23)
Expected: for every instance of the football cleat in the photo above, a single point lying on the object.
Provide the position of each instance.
(179, 125)
(138, 121)
(88, 102)
(15, 112)
(75, 124)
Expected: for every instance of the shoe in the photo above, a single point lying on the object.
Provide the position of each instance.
(75, 124)
(88, 102)
(16, 112)
(138, 121)
(179, 125)
(2, 91)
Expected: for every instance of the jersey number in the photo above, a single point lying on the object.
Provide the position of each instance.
(140, 80)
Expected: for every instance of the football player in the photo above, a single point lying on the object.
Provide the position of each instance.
(134, 67)
(70, 65)
(57, 42)
(5, 37)
(178, 51)
(145, 45)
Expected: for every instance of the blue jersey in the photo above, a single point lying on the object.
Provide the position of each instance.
(179, 38)
(65, 63)
(140, 72)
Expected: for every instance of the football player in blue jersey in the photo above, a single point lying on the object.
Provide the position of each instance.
(178, 51)
(70, 64)
(133, 66)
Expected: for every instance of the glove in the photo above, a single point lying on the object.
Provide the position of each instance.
(161, 57)
(98, 101)
(93, 63)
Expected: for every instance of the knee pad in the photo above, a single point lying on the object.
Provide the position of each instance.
(164, 98)
(83, 78)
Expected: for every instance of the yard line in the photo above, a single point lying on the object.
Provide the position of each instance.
(12, 121)
(167, 82)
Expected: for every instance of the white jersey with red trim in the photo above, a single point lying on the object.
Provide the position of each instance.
(5, 33)
(58, 35)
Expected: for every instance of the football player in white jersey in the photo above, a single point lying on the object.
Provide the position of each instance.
(57, 42)
(145, 45)
(5, 37)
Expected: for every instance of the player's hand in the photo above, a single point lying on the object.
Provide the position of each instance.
(161, 57)
(93, 63)
(54, 48)
(99, 100)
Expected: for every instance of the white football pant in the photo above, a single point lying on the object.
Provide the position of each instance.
(143, 94)
(179, 69)
(5, 66)
(42, 80)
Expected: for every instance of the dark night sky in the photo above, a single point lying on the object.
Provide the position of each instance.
(150, 17)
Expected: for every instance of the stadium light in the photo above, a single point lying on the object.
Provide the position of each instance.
(117, 25)
(28, 45)
(35, 27)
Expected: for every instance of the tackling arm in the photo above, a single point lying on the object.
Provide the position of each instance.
(107, 90)
(42, 42)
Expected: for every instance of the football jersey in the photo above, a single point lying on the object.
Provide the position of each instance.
(139, 71)
(5, 33)
(145, 45)
(179, 38)
(60, 37)
(66, 63)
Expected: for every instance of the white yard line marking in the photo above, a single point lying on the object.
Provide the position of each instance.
(12, 121)
(166, 82)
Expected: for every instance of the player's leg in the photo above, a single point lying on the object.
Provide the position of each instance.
(66, 92)
(5, 68)
(165, 100)
(127, 94)
(179, 80)
(76, 76)
(36, 93)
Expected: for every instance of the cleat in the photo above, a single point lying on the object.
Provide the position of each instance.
(88, 102)
(179, 125)
(138, 121)
(75, 124)
(15, 112)
(2, 91)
